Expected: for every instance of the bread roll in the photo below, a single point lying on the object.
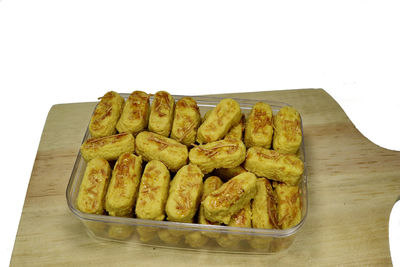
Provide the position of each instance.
(161, 113)
(135, 115)
(153, 191)
(219, 154)
(186, 121)
(232, 196)
(263, 207)
(152, 146)
(288, 136)
(124, 184)
(273, 165)
(93, 187)
(289, 205)
(236, 132)
(258, 130)
(184, 194)
(109, 147)
(211, 184)
(106, 115)
(221, 119)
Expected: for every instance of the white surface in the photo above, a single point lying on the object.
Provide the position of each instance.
(74, 51)
(394, 234)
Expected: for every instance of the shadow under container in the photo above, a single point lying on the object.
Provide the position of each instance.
(214, 238)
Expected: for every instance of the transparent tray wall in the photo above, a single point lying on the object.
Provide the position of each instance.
(213, 238)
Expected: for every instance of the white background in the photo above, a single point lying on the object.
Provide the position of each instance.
(74, 51)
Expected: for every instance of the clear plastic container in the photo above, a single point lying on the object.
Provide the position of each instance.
(193, 236)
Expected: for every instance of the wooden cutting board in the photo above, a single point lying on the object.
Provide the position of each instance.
(353, 185)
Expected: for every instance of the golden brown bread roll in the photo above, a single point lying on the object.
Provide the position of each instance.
(108, 147)
(232, 196)
(93, 187)
(236, 132)
(225, 115)
(289, 205)
(288, 136)
(206, 115)
(219, 154)
(242, 218)
(167, 150)
(186, 121)
(106, 115)
(135, 115)
(273, 165)
(211, 184)
(184, 194)
(161, 113)
(263, 207)
(153, 191)
(124, 184)
(258, 130)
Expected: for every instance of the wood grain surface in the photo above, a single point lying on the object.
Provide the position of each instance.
(353, 185)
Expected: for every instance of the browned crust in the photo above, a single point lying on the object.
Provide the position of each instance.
(95, 143)
(272, 202)
(136, 100)
(227, 197)
(161, 143)
(121, 169)
(290, 129)
(161, 100)
(211, 152)
(292, 209)
(99, 115)
(261, 119)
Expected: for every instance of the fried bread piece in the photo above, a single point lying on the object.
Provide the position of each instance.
(236, 132)
(184, 194)
(186, 121)
(242, 218)
(258, 130)
(108, 147)
(153, 191)
(289, 205)
(221, 119)
(232, 196)
(287, 136)
(219, 154)
(161, 113)
(167, 150)
(124, 184)
(211, 184)
(106, 115)
(135, 115)
(273, 165)
(93, 187)
(206, 115)
(263, 207)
